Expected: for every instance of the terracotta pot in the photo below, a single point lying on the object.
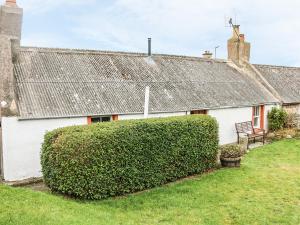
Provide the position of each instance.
(231, 162)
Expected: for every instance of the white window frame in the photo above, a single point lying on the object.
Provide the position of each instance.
(256, 116)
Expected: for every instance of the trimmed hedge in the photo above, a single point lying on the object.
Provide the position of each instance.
(117, 158)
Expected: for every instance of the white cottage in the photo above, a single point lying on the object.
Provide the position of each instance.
(42, 89)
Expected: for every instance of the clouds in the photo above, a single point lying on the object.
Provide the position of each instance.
(44, 40)
(178, 26)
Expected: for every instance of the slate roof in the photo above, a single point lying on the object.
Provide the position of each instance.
(285, 80)
(55, 83)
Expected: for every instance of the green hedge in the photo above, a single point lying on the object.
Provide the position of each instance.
(277, 118)
(112, 159)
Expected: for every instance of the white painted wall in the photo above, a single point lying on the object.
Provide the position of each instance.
(22, 145)
(22, 140)
(268, 108)
(227, 119)
(156, 115)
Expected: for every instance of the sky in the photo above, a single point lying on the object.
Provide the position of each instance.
(180, 27)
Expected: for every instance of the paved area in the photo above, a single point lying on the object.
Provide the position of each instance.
(255, 145)
(38, 187)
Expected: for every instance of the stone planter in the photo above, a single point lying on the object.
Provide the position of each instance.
(231, 162)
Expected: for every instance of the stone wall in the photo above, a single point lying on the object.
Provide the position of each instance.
(7, 81)
(292, 108)
(294, 114)
(10, 36)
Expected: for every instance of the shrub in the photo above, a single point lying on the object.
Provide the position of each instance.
(112, 159)
(283, 134)
(277, 119)
(231, 151)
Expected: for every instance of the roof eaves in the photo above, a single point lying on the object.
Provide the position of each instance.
(152, 112)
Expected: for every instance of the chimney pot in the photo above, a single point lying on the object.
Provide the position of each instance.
(11, 2)
(242, 37)
(149, 47)
(207, 55)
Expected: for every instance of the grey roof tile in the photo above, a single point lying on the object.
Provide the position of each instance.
(66, 83)
(285, 80)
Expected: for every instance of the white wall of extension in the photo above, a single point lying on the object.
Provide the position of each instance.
(22, 139)
(156, 115)
(228, 117)
(22, 142)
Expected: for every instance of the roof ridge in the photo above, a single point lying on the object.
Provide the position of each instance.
(276, 66)
(127, 82)
(107, 52)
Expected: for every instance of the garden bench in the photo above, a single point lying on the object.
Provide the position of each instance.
(252, 133)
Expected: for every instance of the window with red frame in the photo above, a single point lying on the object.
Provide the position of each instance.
(258, 117)
(199, 112)
(102, 119)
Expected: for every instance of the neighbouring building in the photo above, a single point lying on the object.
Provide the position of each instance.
(42, 89)
(286, 82)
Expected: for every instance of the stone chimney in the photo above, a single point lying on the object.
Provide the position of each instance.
(11, 3)
(207, 55)
(238, 48)
(10, 36)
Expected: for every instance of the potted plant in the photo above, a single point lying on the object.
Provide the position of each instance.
(231, 155)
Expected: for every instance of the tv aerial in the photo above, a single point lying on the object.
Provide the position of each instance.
(229, 23)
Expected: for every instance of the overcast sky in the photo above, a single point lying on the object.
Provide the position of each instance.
(185, 27)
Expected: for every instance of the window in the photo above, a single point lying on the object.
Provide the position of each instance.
(99, 119)
(256, 116)
(199, 112)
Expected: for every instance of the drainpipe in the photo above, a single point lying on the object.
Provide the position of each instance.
(147, 97)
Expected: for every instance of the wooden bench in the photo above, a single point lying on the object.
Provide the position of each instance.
(252, 133)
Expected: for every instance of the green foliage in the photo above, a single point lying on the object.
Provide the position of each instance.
(113, 159)
(225, 197)
(231, 151)
(277, 118)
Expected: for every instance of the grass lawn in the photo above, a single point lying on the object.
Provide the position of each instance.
(265, 190)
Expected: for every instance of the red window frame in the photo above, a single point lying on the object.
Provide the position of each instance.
(199, 112)
(261, 116)
(114, 118)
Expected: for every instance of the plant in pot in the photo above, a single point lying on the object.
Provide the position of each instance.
(231, 155)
